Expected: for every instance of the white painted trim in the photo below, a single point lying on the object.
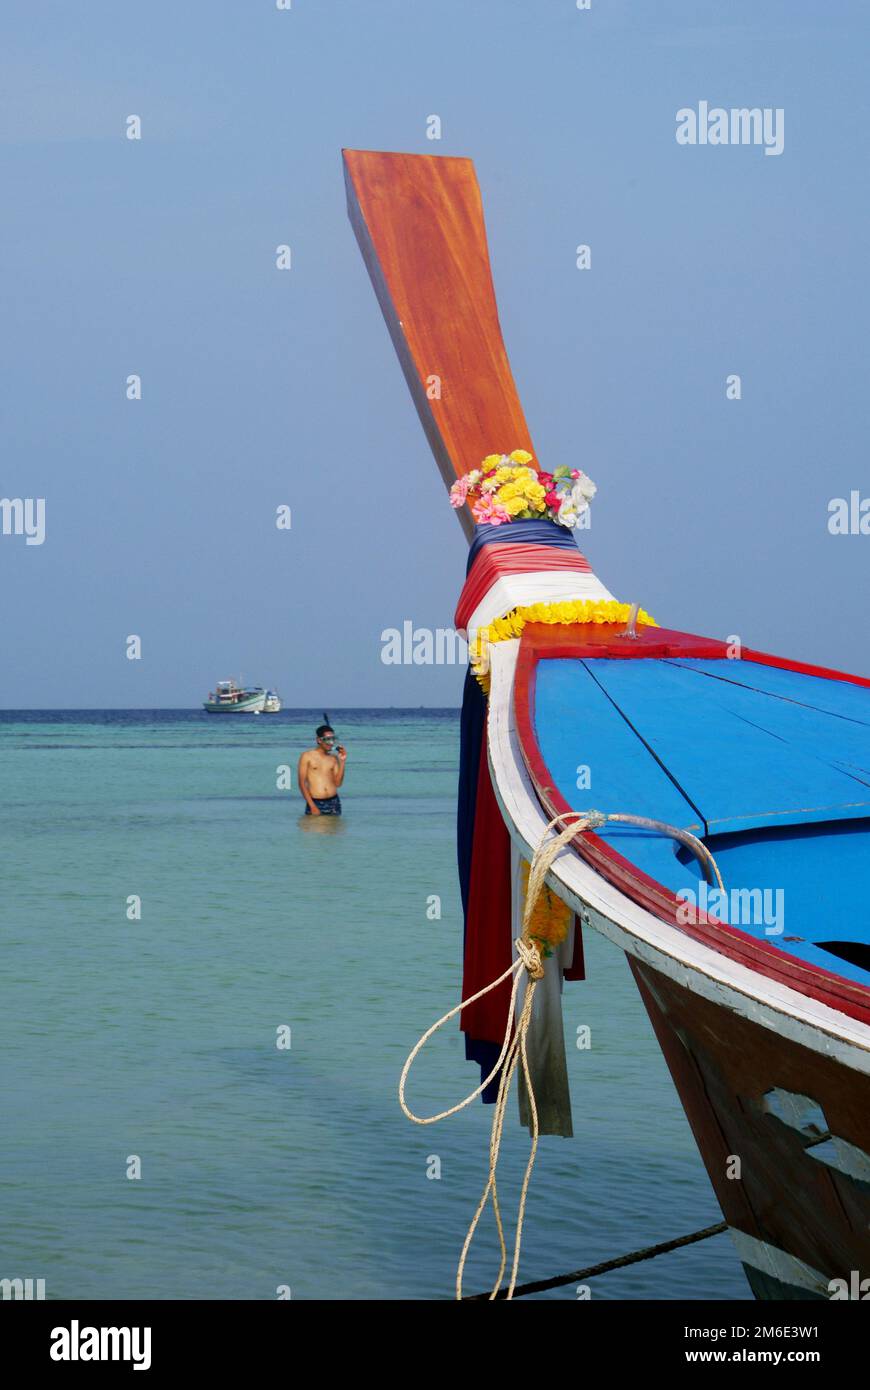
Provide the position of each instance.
(688, 962)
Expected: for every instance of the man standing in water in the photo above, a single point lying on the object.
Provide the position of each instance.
(321, 773)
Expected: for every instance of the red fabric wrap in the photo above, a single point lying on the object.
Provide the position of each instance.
(488, 944)
(577, 969)
(495, 561)
(489, 919)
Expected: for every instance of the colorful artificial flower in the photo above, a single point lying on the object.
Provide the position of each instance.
(459, 491)
(488, 512)
(505, 488)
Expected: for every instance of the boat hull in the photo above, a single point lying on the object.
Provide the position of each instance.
(775, 1083)
(782, 1131)
(253, 704)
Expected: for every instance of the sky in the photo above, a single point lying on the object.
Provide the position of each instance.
(263, 388)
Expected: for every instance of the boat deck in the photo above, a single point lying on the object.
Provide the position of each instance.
(770, 767)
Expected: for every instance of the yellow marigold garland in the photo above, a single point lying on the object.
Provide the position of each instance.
(551, 917)
(568, 611)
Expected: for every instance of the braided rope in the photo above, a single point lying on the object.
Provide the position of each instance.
(513, 1049)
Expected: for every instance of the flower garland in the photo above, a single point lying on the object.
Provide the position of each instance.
(504, 488)
(550, 917)
(582, 610)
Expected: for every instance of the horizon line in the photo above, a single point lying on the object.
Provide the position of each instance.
(194, 709)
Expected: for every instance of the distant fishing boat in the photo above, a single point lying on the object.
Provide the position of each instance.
(230, 698)
(273, 702)
(758, 987)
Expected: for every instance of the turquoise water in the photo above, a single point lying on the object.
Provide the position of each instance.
(263, 1166)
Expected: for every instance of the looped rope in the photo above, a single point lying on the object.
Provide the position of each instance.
(531, 958)
(513, 1049)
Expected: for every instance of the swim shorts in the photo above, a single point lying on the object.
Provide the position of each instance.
(326, 805)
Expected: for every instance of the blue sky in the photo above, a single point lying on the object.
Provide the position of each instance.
(263, 388)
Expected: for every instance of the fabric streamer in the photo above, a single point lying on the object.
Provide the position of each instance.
(487, 925)
(483, 842)
(521, 533)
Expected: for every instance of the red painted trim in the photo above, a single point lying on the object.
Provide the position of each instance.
(804, 669)
(542, 642)
(599, 639)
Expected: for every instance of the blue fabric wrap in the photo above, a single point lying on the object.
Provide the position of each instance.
(518, 533)
(472, 727)
(471, 730)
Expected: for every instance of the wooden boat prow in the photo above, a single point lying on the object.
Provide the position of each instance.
(767, 1040)
(419, 223)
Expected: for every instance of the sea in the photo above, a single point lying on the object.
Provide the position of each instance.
(206, 1003)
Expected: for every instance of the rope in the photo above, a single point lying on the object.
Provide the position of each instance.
(513, 1049)
(648, 1253)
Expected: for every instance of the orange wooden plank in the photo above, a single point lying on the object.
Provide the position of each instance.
(419, 222)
